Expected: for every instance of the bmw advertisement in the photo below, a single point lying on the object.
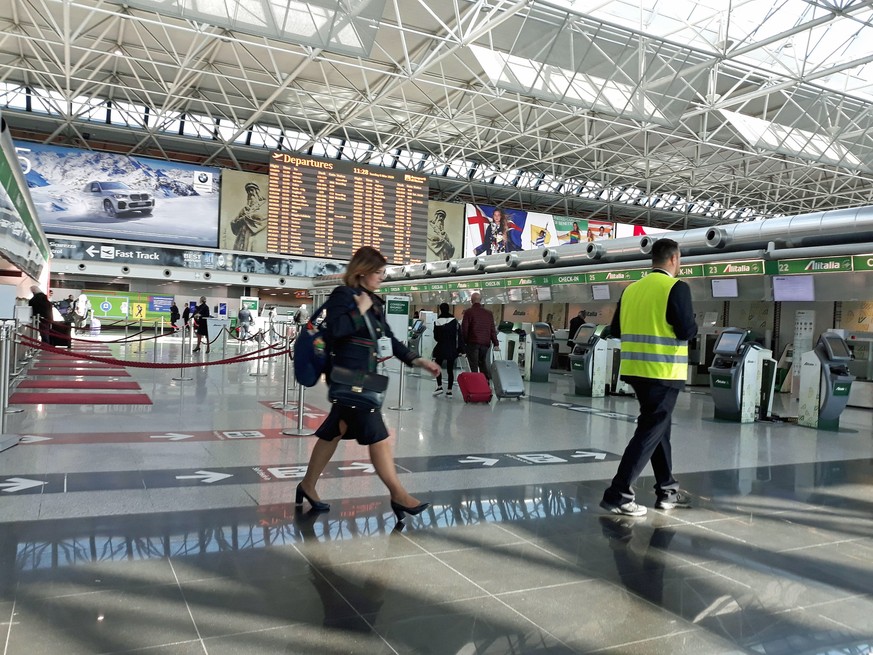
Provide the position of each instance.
(84, 193)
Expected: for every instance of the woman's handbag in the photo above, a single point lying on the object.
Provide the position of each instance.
(357, 389)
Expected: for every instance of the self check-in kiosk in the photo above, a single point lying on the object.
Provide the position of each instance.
(541, 352)
(415, 333)
(588, 361)
(825, 382)
(741, 377)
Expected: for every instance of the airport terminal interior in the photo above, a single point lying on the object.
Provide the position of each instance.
(231, 157)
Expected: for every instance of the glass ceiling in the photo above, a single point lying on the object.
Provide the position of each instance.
(828, 39)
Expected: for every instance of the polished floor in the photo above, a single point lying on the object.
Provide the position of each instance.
(170, 528)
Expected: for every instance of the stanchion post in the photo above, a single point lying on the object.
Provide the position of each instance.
(14, 364)
(257, 373)
(5, 354)
(301, 410)
(223, 342)
(400, 407)
(181, 377)
(285, 405)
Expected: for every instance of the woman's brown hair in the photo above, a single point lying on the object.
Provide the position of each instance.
(365, 261)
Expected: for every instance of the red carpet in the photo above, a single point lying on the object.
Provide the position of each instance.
(23, 398)
(78, 384)
(119, 372)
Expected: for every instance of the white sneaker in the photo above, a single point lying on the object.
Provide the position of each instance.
(438, 391)
(629, 508)
(449, 393)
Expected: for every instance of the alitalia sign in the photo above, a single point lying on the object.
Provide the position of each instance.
(617, 276)
(752, 267)
(815, 265)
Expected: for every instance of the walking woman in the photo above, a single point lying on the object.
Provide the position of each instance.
(349, 309)
(200, 316)
(447, 333)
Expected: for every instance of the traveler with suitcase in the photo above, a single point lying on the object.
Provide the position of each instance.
(478, 332)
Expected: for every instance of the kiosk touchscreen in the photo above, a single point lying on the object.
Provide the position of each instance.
(541, 344)
(730, 342)
(584, 336)
(836, 347)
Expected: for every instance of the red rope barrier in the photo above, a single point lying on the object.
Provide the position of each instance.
(246, 357)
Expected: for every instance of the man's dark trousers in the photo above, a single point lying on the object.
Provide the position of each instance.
(651, 441)
(477, 358)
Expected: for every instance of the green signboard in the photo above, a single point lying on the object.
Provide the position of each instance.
(814, 265)
(576, 278)
(398, 307)
(468, 286)
(493, 284)
(695, 270)
(731, 269)
(530, 281)
(862, 262)
(618, 276)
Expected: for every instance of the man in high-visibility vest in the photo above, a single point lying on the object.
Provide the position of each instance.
(654, 320)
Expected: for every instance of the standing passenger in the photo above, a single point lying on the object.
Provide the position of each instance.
(654, 321)
(200, 316)
(449, 343)
(479, 333)
(174, 315)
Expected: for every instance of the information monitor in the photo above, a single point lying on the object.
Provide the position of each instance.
(724, 287)
(793, 288)
(330, 208)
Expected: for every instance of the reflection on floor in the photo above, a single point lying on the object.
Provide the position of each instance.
(120, 533)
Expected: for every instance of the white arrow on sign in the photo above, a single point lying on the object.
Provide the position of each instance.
(172, 436)
(205, 476)
(91, 250)
(32, 438)
(20, 484)
(585, 453)
(359, 466)
(484, 461)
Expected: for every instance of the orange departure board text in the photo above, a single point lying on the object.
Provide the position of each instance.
(330, 208)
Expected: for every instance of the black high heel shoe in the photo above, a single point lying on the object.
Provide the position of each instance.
(400, 510)
(316, 505)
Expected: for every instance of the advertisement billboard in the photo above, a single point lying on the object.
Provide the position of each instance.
(243, 214)
(445, 230)
(623, 230)
(489, 230)
(105, 195)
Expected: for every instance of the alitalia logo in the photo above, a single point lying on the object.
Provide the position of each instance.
(616, 276)
(721, 382)
(525, 280)
(737, 268)
(822, 266)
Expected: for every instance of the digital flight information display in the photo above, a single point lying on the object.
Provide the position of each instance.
(330, 208)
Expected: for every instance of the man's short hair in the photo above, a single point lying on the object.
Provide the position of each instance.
(663, 250)
(475, 297)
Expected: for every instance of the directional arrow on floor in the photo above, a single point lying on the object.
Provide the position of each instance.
(207, 477)
(585, 453)
(11, 485)
(32, 438)
(172, 436)
(359, 466)
(484, 461)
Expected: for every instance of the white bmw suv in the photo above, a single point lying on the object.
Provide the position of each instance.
(116, 198)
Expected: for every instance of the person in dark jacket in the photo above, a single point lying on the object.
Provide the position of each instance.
(479, 333)
(42, 307)
(654, 321)
(575, 323)
(200, 316)
(351, 346)
(449, 343)
(174, 316)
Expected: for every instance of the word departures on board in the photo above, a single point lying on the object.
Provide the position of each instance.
(330, 208)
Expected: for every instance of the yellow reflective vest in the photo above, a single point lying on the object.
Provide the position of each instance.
(649, 347)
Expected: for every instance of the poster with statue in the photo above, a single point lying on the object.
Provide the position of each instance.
(445, 230)
(243, 214)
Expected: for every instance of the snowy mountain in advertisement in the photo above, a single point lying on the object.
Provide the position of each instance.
(95, 194)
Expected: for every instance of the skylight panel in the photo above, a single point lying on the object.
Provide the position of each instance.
(760, 133)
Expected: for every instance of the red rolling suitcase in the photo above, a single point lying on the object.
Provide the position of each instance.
(474, 387)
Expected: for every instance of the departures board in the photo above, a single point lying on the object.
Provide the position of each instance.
(330, 208)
